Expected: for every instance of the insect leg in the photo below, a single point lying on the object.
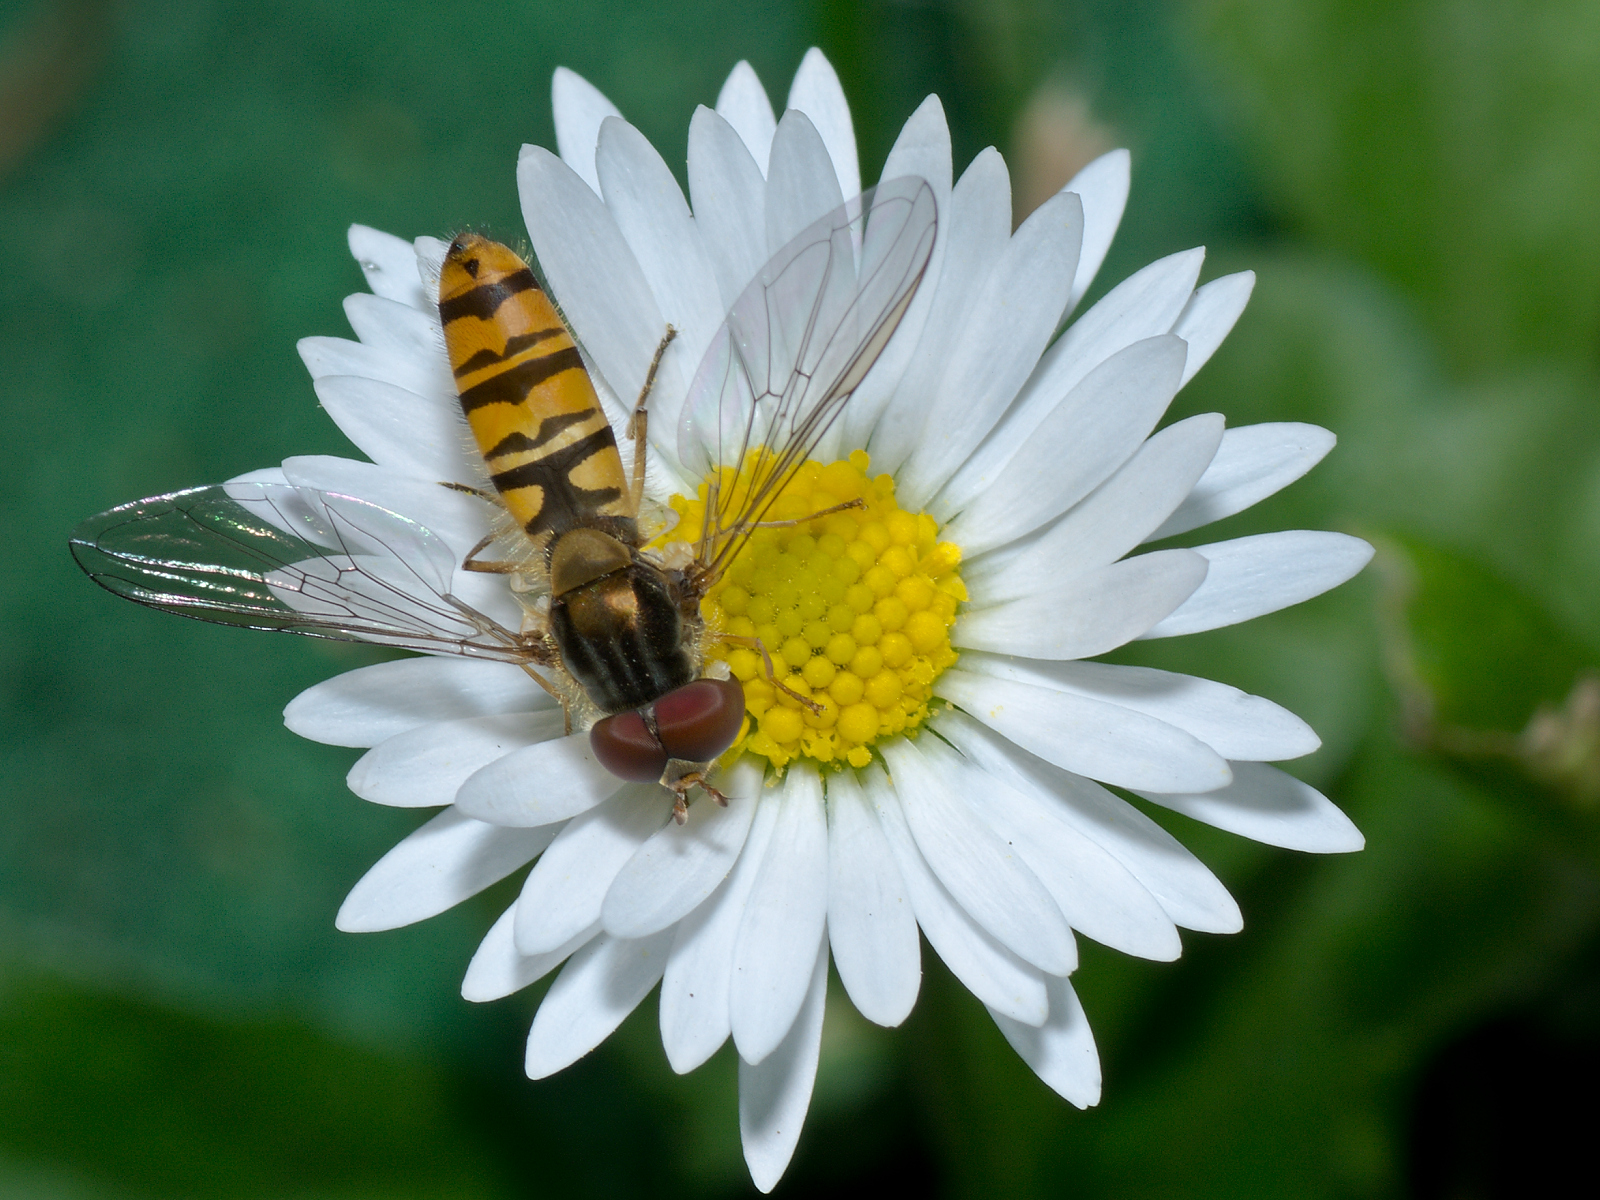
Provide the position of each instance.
(826, 512)
(469, 490)
(756, 643)
(679, 777)
(566, 709)
(639, 422)
(471, 563)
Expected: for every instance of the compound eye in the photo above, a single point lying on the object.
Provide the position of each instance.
(700, 720)
(624, 746)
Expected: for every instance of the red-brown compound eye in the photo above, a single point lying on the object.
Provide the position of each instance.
(699, 721)
(625, 747)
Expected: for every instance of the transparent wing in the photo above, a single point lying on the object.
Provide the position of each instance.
(275, 556)
(794, 347)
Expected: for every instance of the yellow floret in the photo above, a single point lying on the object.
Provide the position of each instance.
(819, 671)
(854, 608)
(841, 648)
(847, 688)
(867, 661)
(858, 723)
(783, 724)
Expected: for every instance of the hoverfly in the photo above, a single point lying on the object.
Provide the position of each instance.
(609, 627)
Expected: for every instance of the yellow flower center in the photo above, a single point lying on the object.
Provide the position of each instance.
(853, 608)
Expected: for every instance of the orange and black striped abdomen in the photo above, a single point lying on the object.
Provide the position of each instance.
(525, 392)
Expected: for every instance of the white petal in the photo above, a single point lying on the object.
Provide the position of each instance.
(430, 252)
(1012, 320)
(1250, 576)
(871, 927)
(396, 328)
(921, 150)
(549, 781)
(427, 765)
(694, 991)
(460, 519)
(579, 109)
(654, 219)
(564, 891)
(776, 950)
(775, 1093)
(398, 429)
(390, 265)
(497, 969)
(1106, 524)
(1061, 1051)
(1103, 184)
(1235, 724)
(1145, 305)
(984, 874)
(743, 104)
(372, 704)
(425, 375)
(816, 92)
(729, 194)
(973, 230)
(801, 185)
(1087, 736)
(990, 972)
(595, 991)
(1093, 431)
(593, 272)
(1191, 895)
(1088, 614)
(1210, 315)
(435, 868)
(681, 865)
(1096, 893)
(1270, 806)
(1252, 463)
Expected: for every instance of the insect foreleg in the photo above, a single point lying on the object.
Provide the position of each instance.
(680, 776)
(639, 421)
(757, 644)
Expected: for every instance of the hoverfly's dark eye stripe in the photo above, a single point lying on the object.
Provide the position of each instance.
(486, 358)
(512, 385)
(527, 396)
(484, 301)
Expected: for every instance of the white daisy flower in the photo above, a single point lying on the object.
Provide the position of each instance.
(956, 779)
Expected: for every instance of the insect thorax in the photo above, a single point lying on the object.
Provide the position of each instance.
(622, 637)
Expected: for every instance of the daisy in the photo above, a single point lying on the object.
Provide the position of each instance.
(955, 777)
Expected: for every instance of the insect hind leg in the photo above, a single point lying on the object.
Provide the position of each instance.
(639, 420)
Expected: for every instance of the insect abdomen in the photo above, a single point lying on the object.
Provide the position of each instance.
(549, 448)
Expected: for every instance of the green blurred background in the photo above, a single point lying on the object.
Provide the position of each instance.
(1417, 185)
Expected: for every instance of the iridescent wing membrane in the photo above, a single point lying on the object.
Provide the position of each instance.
(274, 556)
(795, 346)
